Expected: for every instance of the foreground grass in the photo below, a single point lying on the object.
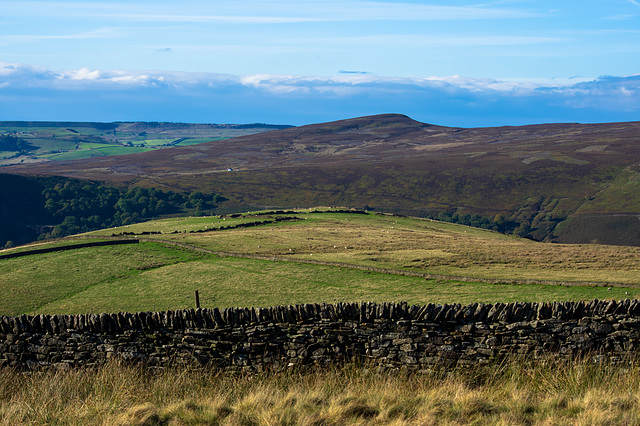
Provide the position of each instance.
(523, 392)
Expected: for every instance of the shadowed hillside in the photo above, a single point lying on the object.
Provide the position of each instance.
(553, 182)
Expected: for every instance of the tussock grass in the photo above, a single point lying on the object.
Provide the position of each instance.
(521, 392)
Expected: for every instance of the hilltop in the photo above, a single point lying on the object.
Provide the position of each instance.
(573, 183)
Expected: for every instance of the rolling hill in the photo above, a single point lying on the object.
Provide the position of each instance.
(572, 183)
(303, 256)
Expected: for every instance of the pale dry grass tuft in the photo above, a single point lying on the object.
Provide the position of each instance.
(523, 392)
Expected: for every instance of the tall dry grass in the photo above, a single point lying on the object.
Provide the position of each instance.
(520, 392)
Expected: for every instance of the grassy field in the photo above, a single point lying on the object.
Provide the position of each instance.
(73, 155)
(90, 145)
(122, 150)
(406, 244)
(196, 141)
(164, 270)
(519, 393)
(56, 277)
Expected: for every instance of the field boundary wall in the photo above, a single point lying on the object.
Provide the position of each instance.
(387, 335)
(68, 247)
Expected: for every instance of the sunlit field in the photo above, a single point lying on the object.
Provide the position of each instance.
(308, 258)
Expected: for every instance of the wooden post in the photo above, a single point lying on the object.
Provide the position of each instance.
(197, 300)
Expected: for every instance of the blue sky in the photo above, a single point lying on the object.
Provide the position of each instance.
(455, 62)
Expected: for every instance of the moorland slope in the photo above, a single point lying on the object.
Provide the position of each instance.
(572, 183)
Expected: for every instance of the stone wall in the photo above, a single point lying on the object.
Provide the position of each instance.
(388, 335)
(23, 253)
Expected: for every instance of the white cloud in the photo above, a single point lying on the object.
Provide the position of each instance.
(20, 74)
(291, 99)
(83, 74)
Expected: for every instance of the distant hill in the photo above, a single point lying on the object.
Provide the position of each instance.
(576, 183)
(39, 141)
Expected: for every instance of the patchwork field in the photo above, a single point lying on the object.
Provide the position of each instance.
(268, 259)
(62, 141)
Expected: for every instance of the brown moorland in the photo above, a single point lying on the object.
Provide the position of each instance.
(574, 183)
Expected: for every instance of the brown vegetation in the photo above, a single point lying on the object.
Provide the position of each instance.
(535, 176)
(521, 393)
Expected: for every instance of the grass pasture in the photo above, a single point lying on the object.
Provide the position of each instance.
(73, 155)
(33, 282)
(156, 142)
(181, 141)
(7, 154)
(402, 243)
(90, 150)
(196, 141)
(320, 259)
(91, 145)
(121, 150)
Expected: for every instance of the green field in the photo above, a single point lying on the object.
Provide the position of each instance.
(95, 150)
(122, 150)
(405, 244)
(189, 142)
(89, 145)
(61, 141)
(73, 155)
(171, 142)
(164, 270)
(157, 142)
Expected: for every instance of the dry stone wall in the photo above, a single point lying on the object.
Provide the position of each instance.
(67, 247)
(393, 335)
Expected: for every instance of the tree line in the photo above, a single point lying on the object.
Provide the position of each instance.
(13, 143)
(40, 208)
